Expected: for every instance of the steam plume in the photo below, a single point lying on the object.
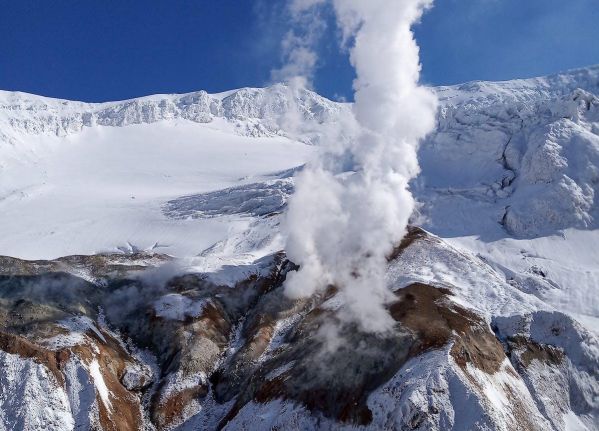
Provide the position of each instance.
(342, 226)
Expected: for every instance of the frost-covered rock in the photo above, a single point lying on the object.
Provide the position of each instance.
(559, 362)
(30, 397)
(137, 376)
(469, 351)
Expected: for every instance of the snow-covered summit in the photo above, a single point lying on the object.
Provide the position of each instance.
(531, 90)
(38, 114)
(255, 111)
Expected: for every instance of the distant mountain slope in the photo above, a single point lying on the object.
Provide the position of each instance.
(522, 154)
(512, 173)
(253, 111)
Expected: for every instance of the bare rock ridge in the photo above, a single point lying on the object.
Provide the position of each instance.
(121, 351)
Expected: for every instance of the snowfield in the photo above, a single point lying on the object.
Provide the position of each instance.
(508, 192)
(104, 187)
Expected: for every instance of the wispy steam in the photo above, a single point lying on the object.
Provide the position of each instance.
(298, 45)
(341, 226)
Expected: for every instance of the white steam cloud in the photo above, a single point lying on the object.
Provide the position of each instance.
(341, 226)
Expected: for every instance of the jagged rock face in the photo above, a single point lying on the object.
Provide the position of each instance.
(121, 352)
(556, 358)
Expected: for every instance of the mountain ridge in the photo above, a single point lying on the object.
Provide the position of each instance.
(590, 72)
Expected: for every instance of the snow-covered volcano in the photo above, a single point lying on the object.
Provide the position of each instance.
(497, 307)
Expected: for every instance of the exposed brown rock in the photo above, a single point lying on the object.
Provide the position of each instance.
(413, 234)
(529, 351)
(196, 345)
(337, 383)
(22, 347)
(429, 312)
(98, 265)
(332, 381)
(125, 411)
(170, 412)
(479, 348)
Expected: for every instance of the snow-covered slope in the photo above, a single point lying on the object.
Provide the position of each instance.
(512, 172)
(523, 154)
(84, 178)
(497, 312)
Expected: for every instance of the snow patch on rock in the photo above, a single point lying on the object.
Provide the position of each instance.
(174, 306)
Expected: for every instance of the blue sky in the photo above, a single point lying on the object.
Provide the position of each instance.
(117, 49)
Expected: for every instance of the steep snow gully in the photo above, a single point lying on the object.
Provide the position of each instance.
(141, 271)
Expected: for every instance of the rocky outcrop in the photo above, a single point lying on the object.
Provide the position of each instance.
(124, 353)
